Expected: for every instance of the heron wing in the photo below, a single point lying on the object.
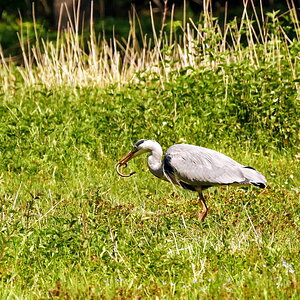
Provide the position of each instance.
(199, 166)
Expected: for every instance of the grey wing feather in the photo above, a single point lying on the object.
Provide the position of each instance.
(198, 166)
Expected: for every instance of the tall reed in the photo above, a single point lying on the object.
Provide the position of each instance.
(177, 45)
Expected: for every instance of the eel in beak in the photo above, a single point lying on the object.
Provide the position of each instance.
(123, 162)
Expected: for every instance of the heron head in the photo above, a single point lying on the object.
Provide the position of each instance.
(138, 148)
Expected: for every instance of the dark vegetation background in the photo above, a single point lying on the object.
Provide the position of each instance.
(109, 16)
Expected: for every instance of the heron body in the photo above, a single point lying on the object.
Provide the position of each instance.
(194, 168)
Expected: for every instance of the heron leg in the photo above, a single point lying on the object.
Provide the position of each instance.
(204, 211)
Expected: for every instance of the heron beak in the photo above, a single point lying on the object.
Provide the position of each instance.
(126, 158)
(123, 162)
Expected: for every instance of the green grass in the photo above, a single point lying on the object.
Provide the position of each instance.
(70, 227)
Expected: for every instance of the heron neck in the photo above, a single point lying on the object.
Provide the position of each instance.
(154, 160)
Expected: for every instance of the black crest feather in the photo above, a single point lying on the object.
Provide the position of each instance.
(139, 142)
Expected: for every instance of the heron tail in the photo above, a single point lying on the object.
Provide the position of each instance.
(254, 177)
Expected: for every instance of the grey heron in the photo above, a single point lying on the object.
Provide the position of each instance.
(194, 168)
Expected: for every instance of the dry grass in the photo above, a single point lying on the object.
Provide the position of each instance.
(175, 46)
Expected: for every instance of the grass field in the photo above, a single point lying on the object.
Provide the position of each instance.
(71, 228)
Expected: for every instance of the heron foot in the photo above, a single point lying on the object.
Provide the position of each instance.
(204, 211)
(202, 215)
